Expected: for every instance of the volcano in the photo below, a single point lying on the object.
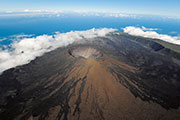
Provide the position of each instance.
(104, 78)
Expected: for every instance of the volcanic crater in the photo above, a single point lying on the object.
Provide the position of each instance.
(85, 52)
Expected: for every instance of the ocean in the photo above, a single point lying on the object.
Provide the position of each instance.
(49, 24)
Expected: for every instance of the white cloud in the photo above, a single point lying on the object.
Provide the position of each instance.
(102, 13)
(120, 15)
(20, 36)
(173, 32)
(9, 11)
(2, 39)
(149, 29)
(27, 49)
(151, 34)
(26, 10)
(58, 13)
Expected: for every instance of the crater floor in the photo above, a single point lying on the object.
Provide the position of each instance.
(85, 52)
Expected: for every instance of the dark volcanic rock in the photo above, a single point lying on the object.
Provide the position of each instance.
(156, 46)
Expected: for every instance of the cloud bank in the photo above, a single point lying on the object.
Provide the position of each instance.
(150, 33)
(26, 49)
(62, 13)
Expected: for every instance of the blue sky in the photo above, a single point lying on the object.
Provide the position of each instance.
(159, 7)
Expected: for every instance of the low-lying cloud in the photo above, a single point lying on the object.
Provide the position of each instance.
(150, 33)
(27, 48)
(61, 13)
(149, 29)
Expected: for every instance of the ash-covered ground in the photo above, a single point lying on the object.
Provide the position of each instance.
(105, 78)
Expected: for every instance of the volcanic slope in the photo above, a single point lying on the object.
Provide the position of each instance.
(106, 78)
